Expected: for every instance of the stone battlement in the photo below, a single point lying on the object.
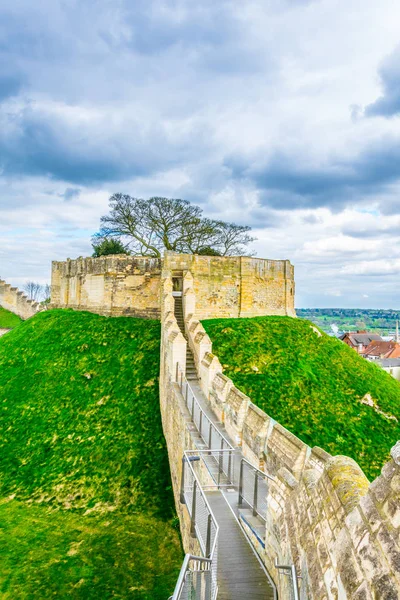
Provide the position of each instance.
(234, 286)
(339, 530)
(12, 299)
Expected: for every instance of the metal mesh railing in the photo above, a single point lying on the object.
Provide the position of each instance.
(208, 431)
(290, 572)
(198, 577)
(198, 580)
(195, 580)
(253, 488)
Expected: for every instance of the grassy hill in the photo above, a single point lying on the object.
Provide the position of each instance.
(86, 508)
(312, 385)
(8, 320)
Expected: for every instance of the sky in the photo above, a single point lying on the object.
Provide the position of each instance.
(278, 114)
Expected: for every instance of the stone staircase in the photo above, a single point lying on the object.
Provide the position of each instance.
(191, 373)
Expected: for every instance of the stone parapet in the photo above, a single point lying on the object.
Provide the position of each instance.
(233, 286)
(341, 532)
(108, 285)
(12, 299)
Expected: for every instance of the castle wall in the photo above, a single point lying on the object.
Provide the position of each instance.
(341, 532)
(128, 285)
(12, 299)
(237, 286)
(109, 285)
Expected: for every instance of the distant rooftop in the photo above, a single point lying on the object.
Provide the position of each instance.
(361, 337)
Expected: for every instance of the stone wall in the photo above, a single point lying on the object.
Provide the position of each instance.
(109, 285)
(127, 285)
(341, 532)
(12, 299)
(237, 286)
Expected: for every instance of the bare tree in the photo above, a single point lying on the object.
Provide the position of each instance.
(150, 226)
(37, 292)
(33, 290)
(46, 293)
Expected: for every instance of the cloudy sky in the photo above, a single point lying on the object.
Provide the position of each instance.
(279, 114)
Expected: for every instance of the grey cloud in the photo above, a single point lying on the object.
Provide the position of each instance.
(286, 182)
(388, 105)
(312, 220)
(70, 194)
(10, 85)
(36, 141)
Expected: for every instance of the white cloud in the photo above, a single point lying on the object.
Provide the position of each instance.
(191, 100)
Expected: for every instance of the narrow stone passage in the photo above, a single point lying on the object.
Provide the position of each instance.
(240, 572)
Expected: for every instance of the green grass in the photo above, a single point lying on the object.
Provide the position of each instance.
(8, 320)
(312, 385)
(62, 554)
(83, 461)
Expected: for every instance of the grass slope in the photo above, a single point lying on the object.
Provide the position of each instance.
(8, 320)
(87, 505)
(312, 385)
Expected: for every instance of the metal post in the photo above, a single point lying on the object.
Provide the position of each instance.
(192, 405)
(230, 466)
(220, 462)
(207, 575)
(208, 538)
(186, 394)
(181, 379)
(201, 422)
(193, 515)
(240, 501)
(210, 436)
(255, 497)
(295, 583)
(177, 372)
(182, 492)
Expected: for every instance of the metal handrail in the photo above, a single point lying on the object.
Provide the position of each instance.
(254, 504)
(262, 473)
(194, 400)
(206, 503)
(291, 570)
(185, 567)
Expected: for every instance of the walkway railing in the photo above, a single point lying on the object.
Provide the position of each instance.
(253, 488)
(222, 462)
(209, 433)
(198, 576)
(290, 571)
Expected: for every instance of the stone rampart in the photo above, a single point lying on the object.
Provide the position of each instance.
(109, 285)
(12, 299)
(342, 533)
(131, 285)
(237, 286)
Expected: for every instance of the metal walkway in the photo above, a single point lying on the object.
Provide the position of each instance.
(240, 573)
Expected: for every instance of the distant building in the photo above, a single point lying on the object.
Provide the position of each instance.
(380, 349)
(391, 366)
(359, 340)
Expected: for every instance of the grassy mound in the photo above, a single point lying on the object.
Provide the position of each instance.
(8, 320)
(62, 554)
(312, 385)
(87, 504)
